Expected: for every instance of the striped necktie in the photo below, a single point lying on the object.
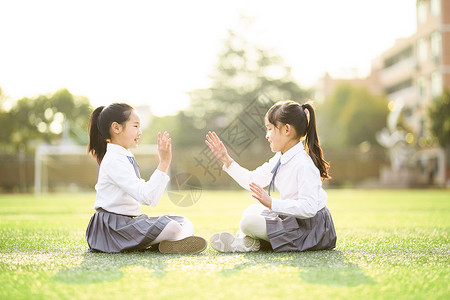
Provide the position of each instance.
(274, 172)
(135, 165)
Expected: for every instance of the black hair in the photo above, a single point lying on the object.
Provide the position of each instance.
(290, 112)
(100, 123)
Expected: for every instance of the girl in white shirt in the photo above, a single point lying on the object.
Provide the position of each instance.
(299, 220)
(118, 224)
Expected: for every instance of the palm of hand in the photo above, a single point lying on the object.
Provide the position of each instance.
(216, 146)
(164, 147)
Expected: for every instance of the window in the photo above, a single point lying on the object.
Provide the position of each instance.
(421, 11)
(436, 46)
(436, 84)
(435, 7)
(422, 53)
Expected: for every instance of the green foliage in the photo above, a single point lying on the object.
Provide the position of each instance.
(243, 71)
(439, 114)
(43, 119)
(351, 116)
(180, 127)
(391, 245)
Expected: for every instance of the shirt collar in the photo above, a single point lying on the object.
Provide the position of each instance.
(118, 149)
(291, 152)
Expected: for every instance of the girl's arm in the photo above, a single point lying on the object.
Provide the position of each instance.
(145, 192)
(310, 197)
(262, 175)
(122, 175)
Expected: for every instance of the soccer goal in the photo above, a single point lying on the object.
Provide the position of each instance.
(69, 168)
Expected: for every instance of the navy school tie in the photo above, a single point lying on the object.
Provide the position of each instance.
(274, 172)
(135, 165)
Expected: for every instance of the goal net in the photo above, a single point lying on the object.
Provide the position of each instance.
(69, 168)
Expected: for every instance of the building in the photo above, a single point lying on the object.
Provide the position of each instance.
(412, 73)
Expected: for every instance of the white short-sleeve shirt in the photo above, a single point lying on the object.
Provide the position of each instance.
(119, 190)
(297, 179)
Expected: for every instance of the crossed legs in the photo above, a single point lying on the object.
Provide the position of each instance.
(253, 224)
(175, 231)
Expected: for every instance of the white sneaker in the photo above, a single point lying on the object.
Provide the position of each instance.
(226, 242)
(239, 234)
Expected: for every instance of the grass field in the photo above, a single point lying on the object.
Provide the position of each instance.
(391, 245)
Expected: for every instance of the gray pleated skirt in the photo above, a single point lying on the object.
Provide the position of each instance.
(113, 233)
(287, 233)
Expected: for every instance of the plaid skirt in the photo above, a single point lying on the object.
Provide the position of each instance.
(113, 233)
(287, 233)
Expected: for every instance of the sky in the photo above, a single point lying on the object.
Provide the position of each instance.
(147, 52)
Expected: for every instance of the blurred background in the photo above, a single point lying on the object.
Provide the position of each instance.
(377, 71)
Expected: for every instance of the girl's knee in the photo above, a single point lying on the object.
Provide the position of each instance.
(254, 225)
(251, 222)
(172, 230)
(187, 223)
(188, 227)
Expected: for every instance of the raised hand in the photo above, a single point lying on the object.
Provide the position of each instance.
(218, 148)
(164, 151)
(261, 195)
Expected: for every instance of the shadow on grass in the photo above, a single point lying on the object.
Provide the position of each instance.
(317, 267)
(100, 267)
(329, 267)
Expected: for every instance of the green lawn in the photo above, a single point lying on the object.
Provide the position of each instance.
(391, 245)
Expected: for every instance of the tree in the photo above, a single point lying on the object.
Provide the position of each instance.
(439, 114)
(351, 116)
(243, 71)
(43, 119)
(76, 111)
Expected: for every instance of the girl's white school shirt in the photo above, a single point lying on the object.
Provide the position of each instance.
(297, 179)
(118, 188)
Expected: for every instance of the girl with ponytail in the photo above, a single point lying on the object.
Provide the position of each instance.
(118, 225)
(299, 220)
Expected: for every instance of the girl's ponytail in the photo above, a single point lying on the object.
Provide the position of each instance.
(312, 143)
(97, 143)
